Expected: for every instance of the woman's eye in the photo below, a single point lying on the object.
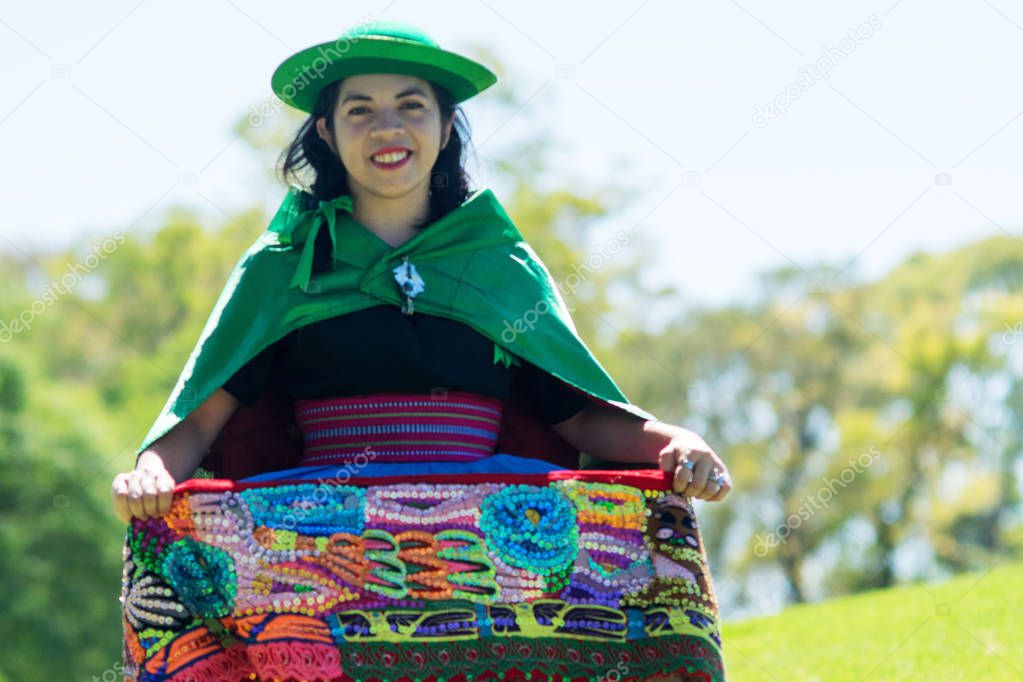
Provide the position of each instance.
(355, 109)
(414, 105)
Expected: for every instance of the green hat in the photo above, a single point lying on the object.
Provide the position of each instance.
(377, 47)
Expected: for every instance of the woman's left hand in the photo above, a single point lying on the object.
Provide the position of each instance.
(697, 481)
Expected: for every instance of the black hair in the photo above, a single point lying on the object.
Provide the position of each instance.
(449, 183)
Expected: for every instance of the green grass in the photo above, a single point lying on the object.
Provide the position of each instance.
(967, 628)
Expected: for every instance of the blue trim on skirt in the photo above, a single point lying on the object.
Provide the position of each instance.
(498, 463)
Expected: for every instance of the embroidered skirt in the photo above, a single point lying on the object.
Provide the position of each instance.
(485, 575)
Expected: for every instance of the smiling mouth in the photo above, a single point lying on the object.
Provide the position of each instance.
(391, 159)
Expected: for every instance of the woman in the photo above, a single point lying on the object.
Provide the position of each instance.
(380, 324)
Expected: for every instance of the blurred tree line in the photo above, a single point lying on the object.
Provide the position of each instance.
(873, 429)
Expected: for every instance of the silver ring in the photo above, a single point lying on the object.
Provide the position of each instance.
(718, 478)
(689, 464)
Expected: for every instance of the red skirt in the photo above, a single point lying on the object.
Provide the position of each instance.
(566, 575)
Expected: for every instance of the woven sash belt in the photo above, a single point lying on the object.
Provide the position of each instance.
(396, 427)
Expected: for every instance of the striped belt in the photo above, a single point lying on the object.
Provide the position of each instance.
(398, 427)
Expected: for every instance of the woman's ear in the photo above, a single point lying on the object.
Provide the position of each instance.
(324, 133)
(447, 132)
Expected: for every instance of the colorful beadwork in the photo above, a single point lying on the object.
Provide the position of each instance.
(570, 575)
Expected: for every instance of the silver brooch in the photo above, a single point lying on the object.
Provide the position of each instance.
(410, 282)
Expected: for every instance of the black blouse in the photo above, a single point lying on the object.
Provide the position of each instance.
(381, 350)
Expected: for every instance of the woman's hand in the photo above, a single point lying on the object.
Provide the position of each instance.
(145, 493)
(694, 464)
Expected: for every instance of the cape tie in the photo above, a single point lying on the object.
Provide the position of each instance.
(305, 227)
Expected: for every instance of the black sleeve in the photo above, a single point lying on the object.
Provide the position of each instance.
(553, 400)
(247, 384)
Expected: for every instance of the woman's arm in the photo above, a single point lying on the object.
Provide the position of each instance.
(614, 434)
(147, 491)
(181, 449)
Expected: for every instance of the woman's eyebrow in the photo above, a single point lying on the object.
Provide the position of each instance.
(414, 90)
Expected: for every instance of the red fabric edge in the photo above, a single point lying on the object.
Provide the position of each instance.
(648, 479)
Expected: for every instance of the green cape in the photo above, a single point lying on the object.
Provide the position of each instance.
(476, 267)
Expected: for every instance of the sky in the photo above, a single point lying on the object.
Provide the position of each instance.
(753, 135)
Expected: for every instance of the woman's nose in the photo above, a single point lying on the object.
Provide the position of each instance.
(388, 122)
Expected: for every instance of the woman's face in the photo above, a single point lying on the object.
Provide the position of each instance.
(388, 133)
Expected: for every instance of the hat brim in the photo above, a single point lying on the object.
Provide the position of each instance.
(300, 78)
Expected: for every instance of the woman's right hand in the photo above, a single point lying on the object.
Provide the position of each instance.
(145, 493)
